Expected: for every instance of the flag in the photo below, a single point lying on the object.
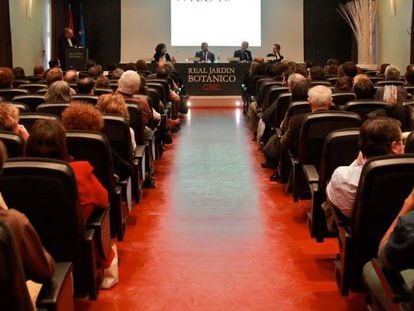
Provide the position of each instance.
(81, 26)
(70, 18)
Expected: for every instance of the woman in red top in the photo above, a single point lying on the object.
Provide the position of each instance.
(48, 140)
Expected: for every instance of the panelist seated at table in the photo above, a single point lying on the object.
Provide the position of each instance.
(276, 53)
(243, 54)
(205, 55)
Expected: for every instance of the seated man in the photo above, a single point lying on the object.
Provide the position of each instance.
(320, 99)
(409, 75)
(205, 55)
(378, 137)
(86, 86)
(392, 93)
(396, 252)
(38, 265)
(244, 54)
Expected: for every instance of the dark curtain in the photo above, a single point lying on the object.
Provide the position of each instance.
(412, 36)
(6, 56)
(59, 22)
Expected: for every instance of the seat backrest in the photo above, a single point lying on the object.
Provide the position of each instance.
(385, 82)
(409, 103)
(90, 99)
(316, 127)
(93, 147)
(153, 97)
(14, 294)
(258, 81)
(33, 87)
(375, 79)
(22, 107)
(341, 99)
(113, 85)
(282, 104)
(297, 108)
(325, 83)
(33, 101)
(160, 89)
(364, 107)
(14, 143)
(384, 185)
(265, 88)
(18, 82)
(53, 109)
(273, 94)
(42, 91)
(45, 190)
(116, 129)
(135, 122)
(340, 149)
(8, 94)
(101, 91)
(28, 119)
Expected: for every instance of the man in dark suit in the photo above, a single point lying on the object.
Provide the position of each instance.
(68, 40)
(244, 54)
(205, 55)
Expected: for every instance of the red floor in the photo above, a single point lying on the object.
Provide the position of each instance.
(217, 235)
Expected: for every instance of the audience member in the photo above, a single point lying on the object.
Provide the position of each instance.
(18, 73)
(89, 63)
(391, 93)
(364, 88)
(53, 75)
(6, 78)
(84, 117)
(102, 82)
(58, 92)
(54, 63)
(48, 140)
(395, 253)
(409, 143)
(95, 71)
(316, 73)
(38, 265)
(117, 73)
(378, 136)
(349, 69)
(382, 69)
(86, 86)
(343, 84)
(128, 86)
(409, 75)
(9, 120)
(71, 76)
(115, 104)
(141, 65)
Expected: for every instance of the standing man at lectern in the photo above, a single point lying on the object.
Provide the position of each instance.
(205, 55)
(68, 40)
(244, 54)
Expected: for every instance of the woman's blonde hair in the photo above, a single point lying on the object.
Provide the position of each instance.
(9, 117)
(113, 104)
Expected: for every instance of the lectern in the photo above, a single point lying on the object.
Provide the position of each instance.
(76, 58)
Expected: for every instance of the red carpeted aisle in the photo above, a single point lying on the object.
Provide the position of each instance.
(217, 235)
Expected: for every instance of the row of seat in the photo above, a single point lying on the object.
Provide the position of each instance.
(328, 140)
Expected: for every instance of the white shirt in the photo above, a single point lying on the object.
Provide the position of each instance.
(343, 186)
(70, 42)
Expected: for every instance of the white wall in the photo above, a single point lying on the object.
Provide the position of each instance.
(145, 23)
(28, 33)
(394, 33)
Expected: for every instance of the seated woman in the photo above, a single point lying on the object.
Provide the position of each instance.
(48, 140)
(38, 265)
(84, 117)
(59, 92)
(115, 104)
(9, 120)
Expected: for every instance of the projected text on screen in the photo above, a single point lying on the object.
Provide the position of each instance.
(218, 22)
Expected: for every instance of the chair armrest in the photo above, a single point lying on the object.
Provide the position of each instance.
(139, 151)
(100, 222)
(392, 283)
(57, 294)
(311, 174)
